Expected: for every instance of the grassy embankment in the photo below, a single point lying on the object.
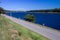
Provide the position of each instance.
(12, 31)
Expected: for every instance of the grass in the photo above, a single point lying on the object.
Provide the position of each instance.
(13, 31)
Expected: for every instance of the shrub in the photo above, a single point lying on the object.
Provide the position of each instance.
(29, 17)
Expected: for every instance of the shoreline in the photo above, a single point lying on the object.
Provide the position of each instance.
(47, 12)
(51, 34)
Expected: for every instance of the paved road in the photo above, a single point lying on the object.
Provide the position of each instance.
(47, 32)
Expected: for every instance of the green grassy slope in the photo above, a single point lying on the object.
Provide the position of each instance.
(12, 31)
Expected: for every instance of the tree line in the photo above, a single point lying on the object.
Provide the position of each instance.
(47, 10)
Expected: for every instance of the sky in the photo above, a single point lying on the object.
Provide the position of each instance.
(29, 4)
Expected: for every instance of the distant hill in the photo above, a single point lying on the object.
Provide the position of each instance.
(56, 10)
(47, 10)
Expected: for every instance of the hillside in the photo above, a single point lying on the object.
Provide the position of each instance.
(12, 31)
(46, 10)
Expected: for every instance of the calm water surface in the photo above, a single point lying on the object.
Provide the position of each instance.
(50, 20)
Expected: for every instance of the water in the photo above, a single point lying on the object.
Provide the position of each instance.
(51, 20)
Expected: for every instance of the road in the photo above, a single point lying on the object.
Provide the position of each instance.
(47, 32)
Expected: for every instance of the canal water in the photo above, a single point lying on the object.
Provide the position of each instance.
(48, 19)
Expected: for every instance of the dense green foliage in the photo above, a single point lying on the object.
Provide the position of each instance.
(29, 17)
(48, 10)
(2, 11)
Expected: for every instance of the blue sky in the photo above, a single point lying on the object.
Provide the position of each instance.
(29, 4)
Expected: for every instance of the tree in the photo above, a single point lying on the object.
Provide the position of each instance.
(29, 17)
(2, 11)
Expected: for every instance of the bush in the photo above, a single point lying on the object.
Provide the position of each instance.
(29, 17)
